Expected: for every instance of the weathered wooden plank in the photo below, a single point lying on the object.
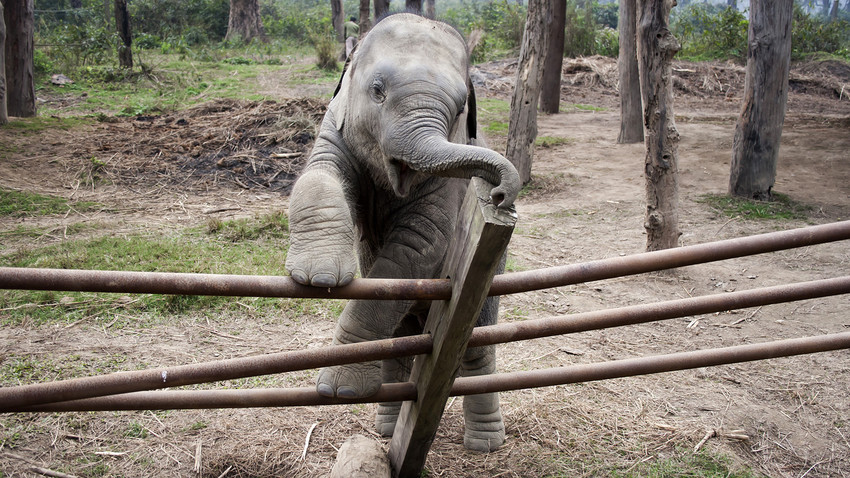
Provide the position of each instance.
(480, 239)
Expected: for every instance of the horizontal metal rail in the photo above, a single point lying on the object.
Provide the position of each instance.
(424, 289)
(124, 382)
(463, 386)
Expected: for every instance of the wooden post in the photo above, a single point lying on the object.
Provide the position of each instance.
(631, 120)
(755, 148)
(20, 82)
(4, 117)
(522, 130)
(122, 22)
(480, 239)
(656, 47)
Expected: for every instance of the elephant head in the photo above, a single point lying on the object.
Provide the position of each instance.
(405, 105)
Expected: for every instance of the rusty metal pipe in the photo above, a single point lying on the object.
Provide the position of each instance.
(164, 377)
(424, 289)
(151, 379)
(464, 385)
(639, 314)
(668, 258)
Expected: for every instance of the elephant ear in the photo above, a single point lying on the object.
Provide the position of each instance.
(471, 112)
(337, 104)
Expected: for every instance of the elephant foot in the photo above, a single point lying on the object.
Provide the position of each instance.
(350, 381)
(387, 417)
(484, 428)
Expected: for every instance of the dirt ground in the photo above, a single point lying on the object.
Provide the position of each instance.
(781, 418)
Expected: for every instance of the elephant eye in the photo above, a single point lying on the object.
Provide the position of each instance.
(376, 91)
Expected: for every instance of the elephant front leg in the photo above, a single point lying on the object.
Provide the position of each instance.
(484, 428)
(393, 371)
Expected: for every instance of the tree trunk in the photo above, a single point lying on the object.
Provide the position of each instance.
(413, 6)
(550, 92)
(382, 7)
(833, 14)
(430, 9)
(122, 21)
(20, 84)
(631, 114)
(522, 130)
(245, 23)
(337, 18)
(364, 22)
(756, 145)
(656, 47)
(4, 116)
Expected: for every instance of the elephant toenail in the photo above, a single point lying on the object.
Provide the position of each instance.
(346, 392)
(324, 280)
(325, 390)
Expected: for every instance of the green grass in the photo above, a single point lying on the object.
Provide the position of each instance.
(39, 124)
(26, 204)
(552, 141)
(781, 207)
(494, 116)
(684, 464)
(245, 246)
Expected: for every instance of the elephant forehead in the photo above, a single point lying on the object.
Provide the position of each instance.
(405, 36)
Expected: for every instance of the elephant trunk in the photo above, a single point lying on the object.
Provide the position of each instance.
(435, 155)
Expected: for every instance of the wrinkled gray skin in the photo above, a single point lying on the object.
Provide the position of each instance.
(382, 189)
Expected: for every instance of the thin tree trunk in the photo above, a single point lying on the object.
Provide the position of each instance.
(122, 21)
(413, 6)
(550, 92)
(631, 114)
(430, 9)
(245, 23)
(4, 116)
(338, 18)
(755, 148)
(656, 47)
(833, 14)
(382, 7)
(364, 22)
(522, 130)
(20, 84)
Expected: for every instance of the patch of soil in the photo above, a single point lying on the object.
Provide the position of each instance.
(782, 418)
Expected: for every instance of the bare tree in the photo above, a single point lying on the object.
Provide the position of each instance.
(631, 114)
(382, 7)
(522, 129)
(337, 19)
(4, 116)
(122, 21)
(656, 47)
(550, 88)
(833, 13)
(20, 84)
(245, 22)
(364, 22)
(413, 6)
(755, 148)
(430, 9)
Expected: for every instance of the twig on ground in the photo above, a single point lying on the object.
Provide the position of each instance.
(709, 434)
(307, 441)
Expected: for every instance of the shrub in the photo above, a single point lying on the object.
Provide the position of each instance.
(710, 32)
(327, 50)
(812, 34)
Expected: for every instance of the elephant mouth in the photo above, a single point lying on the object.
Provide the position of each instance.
(401, 177)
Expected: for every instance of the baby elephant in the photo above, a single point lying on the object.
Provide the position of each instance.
(381, 191)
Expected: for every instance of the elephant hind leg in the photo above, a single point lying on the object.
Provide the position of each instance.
(484, 427)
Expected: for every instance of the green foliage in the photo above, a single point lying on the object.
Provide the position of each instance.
(502, 22)
(327, 50)
(298, 21)
(703, 464)
(192, 22)
(781, 207)
(812, 34)
(710, 32)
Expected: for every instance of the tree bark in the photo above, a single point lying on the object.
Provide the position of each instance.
(364, 22)
(631, 114)
(245, 23)
(522, 130)
(4, 116)
(656, 47)
(382, 7)
(338, 18)
(413, 6)
(833, 14)
(20, 84)
(755, 149)
(550, 93)
(430, 9)
(122, 21)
